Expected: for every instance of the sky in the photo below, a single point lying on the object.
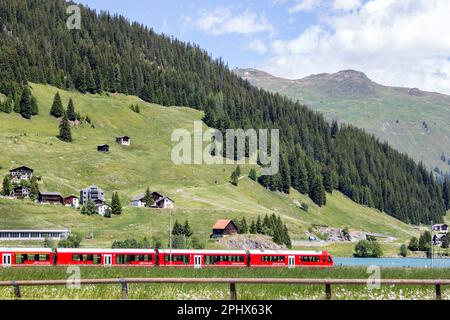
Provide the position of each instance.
(395, 42)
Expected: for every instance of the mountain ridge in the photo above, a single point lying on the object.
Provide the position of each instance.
(411, 120)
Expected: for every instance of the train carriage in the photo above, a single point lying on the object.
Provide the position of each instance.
(203, 258)
(106, 257)
(26, 257)
(291, 259)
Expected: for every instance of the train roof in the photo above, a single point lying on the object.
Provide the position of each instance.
(107, 251)
(27, 250)
(288, 252)
(186, 251)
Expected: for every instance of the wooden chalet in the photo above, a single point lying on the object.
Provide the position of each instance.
(103, 148)
(51, 198)
(21, 192)
(224, 227)
(21, 173)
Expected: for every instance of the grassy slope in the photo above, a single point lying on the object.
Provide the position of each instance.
(202, 193)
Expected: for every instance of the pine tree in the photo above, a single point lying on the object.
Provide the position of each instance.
(244, 226)
(34, 106)
(317, 192)
(71, 114)
(446, 191)
(286, 238)
(65, 133)
(116, 206)
(89, 209)
(25, 103)
(7, 105)
(253, 227)
(178, 229)
(259, 226)
(34, 188)
(7, 186)
(57, 109)
(148, 199)
(187, 231)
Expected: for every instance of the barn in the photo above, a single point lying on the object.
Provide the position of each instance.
(103, 148)
(224, 227)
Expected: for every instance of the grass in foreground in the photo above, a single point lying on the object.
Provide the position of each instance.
(221, 292)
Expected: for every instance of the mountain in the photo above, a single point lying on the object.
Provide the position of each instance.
(110, 54)
(202, 193)
(411, 120)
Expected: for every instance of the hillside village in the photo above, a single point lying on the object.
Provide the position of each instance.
(21, 183)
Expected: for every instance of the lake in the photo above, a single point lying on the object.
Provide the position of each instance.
(392, 262)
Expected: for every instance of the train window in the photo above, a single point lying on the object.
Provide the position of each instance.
(20, 258)
(177, 258)
(97, 259)
(75, 257)
(44, 257)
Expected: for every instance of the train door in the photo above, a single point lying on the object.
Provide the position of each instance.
(197, 262)
(291, 262)
(6, 260)
(107, 260)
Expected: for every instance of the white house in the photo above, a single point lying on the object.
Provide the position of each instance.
(124, 141)
(138, 201)
(101, 207)
(165, 203)
(440, 228)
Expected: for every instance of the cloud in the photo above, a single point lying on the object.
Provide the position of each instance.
(223, 20)
(304, 5)
(347, 4)
(402, 43)
(257, 46)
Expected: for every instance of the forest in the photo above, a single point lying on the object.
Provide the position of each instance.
(111, 54)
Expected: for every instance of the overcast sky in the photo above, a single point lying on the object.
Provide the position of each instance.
(395, 42)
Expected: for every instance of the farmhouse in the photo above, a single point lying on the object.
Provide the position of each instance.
(138, 201)
(103, 148)
(93, 193)
(21, 173)
(440, 227)
(224, 227)
(164, 203)
(21, 192)
(124, 141)
(72, 201)
(50, 198)
(101, 207)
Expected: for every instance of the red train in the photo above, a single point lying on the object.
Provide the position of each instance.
(165, 258)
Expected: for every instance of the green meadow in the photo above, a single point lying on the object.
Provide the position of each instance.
(221, 291)
(202, 193)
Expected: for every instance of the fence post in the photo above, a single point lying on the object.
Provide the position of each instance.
(124, 289)
(328, 291)
(438, 292)
(16, 290)
(233, 292)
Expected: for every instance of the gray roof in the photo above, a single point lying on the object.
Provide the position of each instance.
(50, 194)
(138, 197)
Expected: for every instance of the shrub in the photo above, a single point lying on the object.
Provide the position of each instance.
(368, 249)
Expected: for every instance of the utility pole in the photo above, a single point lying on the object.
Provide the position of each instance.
(432, 244)
(170, 236)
